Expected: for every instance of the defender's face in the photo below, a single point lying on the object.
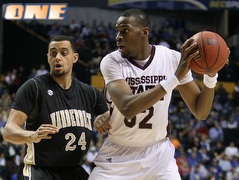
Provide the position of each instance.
(61, 57)
(128, 36)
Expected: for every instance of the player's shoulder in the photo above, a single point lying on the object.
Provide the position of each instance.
(83, 86)
(163, 50)
(42, 78)
(113, 59)
(114, 55)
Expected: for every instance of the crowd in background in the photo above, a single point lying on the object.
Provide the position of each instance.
(96, 39)
(205, 150)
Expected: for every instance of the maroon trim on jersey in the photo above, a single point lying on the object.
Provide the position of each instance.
(148, 63)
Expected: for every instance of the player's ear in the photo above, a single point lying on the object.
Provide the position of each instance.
(145, 31)
(47, 55)
(76, 57)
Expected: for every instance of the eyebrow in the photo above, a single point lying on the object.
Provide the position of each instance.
(53, 48)
(122, 26)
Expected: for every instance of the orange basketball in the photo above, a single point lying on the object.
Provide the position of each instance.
(213, 53)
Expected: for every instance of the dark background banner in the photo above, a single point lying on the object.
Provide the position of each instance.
(150, 4)
(82, 3)
(177, 4)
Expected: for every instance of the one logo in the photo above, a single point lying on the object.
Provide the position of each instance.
(50, 92)
(33, 11)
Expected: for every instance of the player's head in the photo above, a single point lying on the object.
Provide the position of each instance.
(64, 38)
(140, 17)
(132, 30)
(62, 55)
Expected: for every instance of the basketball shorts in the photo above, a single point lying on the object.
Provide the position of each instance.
(70, 173)
(155, 162)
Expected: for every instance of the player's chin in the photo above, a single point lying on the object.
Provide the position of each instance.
(124, 54)
(58, 73)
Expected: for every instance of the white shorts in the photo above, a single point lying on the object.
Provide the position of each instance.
(155, 162)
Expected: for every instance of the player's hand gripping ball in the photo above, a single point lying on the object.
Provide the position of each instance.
(213, 53)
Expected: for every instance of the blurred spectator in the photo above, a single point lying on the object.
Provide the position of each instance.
(53, 30)
(215, 171)
(236, 94)
(2, 88)
(193, 156)
(42, 70)
(86, 30)
(199, 172)
(216, 133)
(12, 81)
(22, 75)
(96, 52)
(225, 164)
(74, 26)
(163, 42)
(205, 142)
(231, 150)
(232, 175)
(183, 166)
(222, 94)
(32, 73)
(218, 150)
(110, 31)
(231, 131)
(235, 162)
(188, 133)
(3, 120)
(206, 159)
(12, 168)
(3, 163)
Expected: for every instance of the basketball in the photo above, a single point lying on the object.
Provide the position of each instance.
(213, 53)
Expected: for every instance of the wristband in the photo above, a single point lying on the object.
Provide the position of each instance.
(170, 83)
(209, 81)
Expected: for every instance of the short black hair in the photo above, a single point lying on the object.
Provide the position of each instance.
(139, 15)
(65, 38)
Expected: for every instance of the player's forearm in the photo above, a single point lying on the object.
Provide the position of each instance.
(204, 103)
(140, 102)
(17, 135)
(205, 98)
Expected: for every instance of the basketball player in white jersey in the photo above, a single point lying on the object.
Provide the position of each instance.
(140, 79)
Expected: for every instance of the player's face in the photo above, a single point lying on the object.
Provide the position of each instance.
(128, 36)
(61, 58)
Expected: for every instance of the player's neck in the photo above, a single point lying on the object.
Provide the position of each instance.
(145, 53)
(64, 82)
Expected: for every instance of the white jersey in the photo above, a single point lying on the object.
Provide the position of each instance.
(149, 126)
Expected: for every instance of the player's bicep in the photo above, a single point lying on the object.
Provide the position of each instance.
(26, 97)
(16, 117)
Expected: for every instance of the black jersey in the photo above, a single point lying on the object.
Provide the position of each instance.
(72, 111)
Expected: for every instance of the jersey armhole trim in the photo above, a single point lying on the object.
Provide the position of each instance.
(37, 89)
(95, 96)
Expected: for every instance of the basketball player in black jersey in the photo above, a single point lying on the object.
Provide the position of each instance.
(57, 112)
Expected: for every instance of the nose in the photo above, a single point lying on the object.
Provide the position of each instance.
(58, 56)
(118, 36)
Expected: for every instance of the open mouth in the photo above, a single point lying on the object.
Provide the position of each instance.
(120, 48)
(58, 66)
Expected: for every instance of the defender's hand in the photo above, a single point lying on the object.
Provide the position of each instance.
(102, 123)
(44, 132)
